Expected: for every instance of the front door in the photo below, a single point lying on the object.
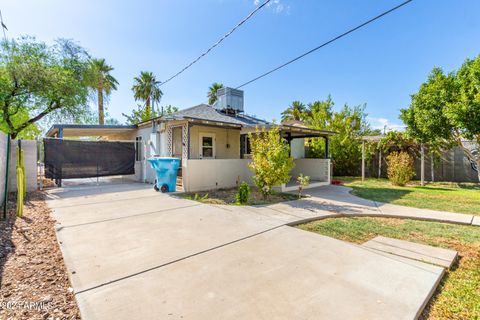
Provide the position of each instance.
(177, 142)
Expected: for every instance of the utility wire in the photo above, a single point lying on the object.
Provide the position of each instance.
(326, 43)
(218, 42)
(3, 26)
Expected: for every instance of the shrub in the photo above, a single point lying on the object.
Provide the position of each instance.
(271, 161)
(400, 168)
(243, 193)
(303, 181)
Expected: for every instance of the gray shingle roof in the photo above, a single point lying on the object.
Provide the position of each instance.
(206, 112)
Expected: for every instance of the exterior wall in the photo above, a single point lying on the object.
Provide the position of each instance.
(316, 169)
(298, 148)
(3, 164)
(30, 159)
(150, 147)
(209, 174)
(223, 136)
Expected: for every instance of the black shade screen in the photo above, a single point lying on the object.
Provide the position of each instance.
(65, 159)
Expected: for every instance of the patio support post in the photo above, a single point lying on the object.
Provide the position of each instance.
(380, 163)
(422, 166)
(363, 160)
(327, 148)
(58, 182)
(432, 168)
(289, 140)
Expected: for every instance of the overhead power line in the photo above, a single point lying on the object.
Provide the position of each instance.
(3, 26)
(218, 42)
(326, 43)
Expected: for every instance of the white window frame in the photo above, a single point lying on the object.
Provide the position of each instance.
(200, 144)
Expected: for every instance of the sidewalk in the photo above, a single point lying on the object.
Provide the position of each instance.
(337, 201)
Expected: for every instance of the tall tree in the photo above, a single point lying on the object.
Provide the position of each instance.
(349, 123)
(140, 114)
(295, 111)
(212, 92)
(319, 113)
(446, 109)
(103, 83)
(143, 87)
(37, 80)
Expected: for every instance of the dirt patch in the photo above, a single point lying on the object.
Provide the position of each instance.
(34, 282)
(227, 196)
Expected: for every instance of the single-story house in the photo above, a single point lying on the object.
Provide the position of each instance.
(212, 143)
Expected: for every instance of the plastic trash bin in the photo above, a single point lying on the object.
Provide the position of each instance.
(166, 169)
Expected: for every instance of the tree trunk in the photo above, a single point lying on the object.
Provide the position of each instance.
(148, 112)
(478, 168)
(101, 114)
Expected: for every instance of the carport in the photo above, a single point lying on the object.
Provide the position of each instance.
(89, 151)
(104, 132)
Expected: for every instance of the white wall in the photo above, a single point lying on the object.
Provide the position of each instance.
(297, 148)
(3, 164)
(30, 159)
(316, 169)
(208, 174)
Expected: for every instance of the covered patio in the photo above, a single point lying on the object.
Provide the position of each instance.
(295, 133)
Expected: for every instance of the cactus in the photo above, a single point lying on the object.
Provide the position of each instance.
(21, 182)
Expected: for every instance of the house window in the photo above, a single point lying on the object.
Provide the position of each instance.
(207, 146)
(138, 148)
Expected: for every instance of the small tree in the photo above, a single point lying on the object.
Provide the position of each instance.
(445, 110)
(400, 168)
(271, 159)
(303, 181)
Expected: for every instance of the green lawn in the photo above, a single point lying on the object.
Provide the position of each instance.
(453, 197)
(458, 296)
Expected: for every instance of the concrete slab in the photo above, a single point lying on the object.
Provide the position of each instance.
(101, 209)
(84, 195)
(265, 211)
(434, 255)
(100, 252)
(476, 221)
(285, 273)
(303, 210)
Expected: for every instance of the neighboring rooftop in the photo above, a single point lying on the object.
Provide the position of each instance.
(83, 130)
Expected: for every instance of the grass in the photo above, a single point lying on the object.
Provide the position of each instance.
(227, 196)
(444, 196)
(458, 296)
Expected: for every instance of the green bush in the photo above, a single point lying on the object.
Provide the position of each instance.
(400, 168)
(243, 193)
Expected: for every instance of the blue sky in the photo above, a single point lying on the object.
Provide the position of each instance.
(380, 65)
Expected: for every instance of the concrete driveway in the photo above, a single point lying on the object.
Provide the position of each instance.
(133, 253)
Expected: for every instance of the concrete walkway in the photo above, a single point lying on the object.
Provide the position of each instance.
(337, 201)
(133, 253)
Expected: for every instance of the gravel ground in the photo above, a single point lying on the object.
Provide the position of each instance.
(34, 282)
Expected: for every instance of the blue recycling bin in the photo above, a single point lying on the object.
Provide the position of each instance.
(166, 169)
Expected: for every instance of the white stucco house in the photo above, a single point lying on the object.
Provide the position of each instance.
(212, 143)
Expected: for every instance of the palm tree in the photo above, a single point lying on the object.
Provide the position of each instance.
(294, 112)
(212, 92)
(103, 83)
(142, 89)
